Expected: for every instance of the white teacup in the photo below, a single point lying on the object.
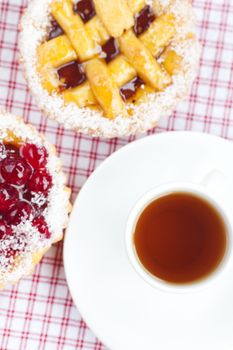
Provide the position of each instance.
(218, 199)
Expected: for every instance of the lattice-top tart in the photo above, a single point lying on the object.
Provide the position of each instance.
(109, 68)
(34, 201)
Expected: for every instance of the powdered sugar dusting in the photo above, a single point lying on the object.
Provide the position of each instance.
(17, 251)
(145, 115)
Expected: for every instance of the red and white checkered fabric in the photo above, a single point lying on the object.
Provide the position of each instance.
(38, 313)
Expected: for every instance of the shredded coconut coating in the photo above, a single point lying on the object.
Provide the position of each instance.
(145, 116)
(27, 240)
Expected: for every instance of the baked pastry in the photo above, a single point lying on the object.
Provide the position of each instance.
(109, 68)
(34, 201)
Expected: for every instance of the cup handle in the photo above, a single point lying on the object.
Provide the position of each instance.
(220, 186)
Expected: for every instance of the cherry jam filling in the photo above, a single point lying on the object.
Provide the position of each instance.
(143, 20)
(129, 89)
(4, 230)
(55, 30)
(40, 181)
(24, 187)
(85, 9)
(15, 170)
(21, 211)
(40, 223)
(8, 196)
(71, 75)
(110, 50)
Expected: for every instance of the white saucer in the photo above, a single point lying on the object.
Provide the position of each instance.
(122, 310)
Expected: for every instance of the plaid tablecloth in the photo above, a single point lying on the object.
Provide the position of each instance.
(39, 312)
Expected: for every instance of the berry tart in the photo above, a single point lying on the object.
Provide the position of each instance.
(34, 201)
(109, 68)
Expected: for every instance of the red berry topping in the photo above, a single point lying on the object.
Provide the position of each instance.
(39, 202)
(10, 253)
(8, 150)
(15, 170)
(18, 213)
(40, 181)
(11, 150)
(2, 151)
(9, 195)
(42, 226)
(4, 230)
(35, 156)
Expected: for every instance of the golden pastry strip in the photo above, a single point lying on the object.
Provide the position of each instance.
(122, 72)
(56, 52)
(105, 89)
(73, 26)
(53, 54)
(97, 31)
(115, 15)
(171, 61)
(136, 5)
(159, 34)
(82, 95)
(144, 63)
